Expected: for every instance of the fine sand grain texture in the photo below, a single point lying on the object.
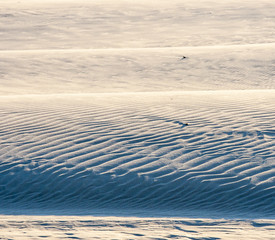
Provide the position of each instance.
(72, 227)
(137, 70)
(126, 120)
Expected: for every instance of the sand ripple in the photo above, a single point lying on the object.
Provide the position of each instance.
(133, 151)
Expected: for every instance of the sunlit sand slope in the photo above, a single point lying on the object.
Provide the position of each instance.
(71, 227)
(80, 153)
(124, 70)
(44, 24)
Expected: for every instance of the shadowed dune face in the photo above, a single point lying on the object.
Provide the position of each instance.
(81, 153)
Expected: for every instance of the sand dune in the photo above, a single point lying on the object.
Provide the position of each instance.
(137, 70)
(134, 150)
(56, 227)
(101, 116)
(33, 24)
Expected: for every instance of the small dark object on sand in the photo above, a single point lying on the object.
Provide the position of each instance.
(186, 124)
(183, 57)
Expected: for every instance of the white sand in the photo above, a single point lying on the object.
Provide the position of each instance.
(138, 70)
(72, 227)
(94, 101)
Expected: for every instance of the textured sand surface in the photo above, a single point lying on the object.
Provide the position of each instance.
(53, 227)
(135, 151)
(100, 116)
